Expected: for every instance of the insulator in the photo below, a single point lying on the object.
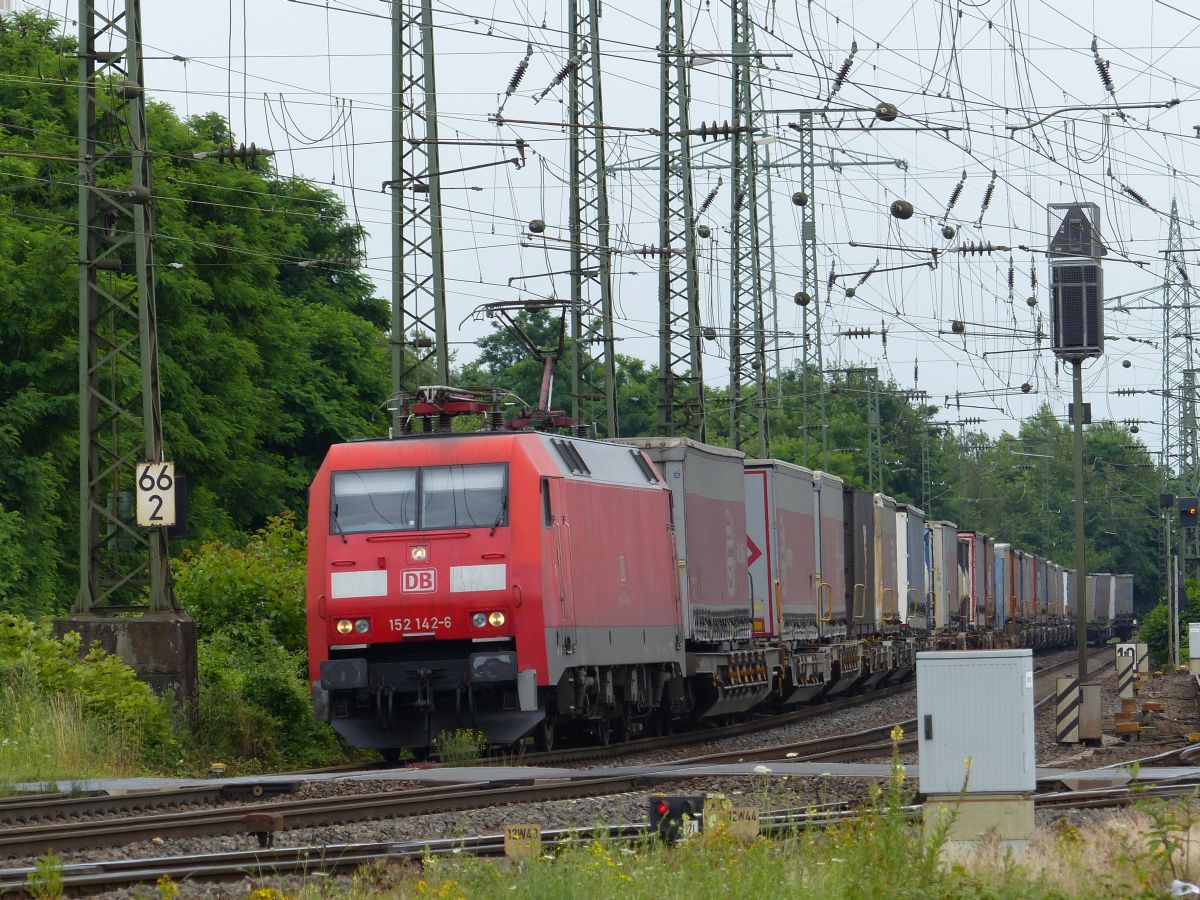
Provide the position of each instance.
(840, 78)
(1125, 364)
(1102, 68)
(1026, 388)
(570, 66)
(958, 326)
(955, 194)
(536, 226)
(802, 298)
(902, 209)
(1136, 196)
(710, 333)
(867, 274)
(422, 342)
(832, 279)
(1012, 276)
(949, 231)
(519, 74)
(987, 197)
(886, 112)
(712, 195)
(800, 198)
(739, 199)
(1182, 272)
(703, 231)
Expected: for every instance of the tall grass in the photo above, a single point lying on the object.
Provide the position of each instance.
(47, 736)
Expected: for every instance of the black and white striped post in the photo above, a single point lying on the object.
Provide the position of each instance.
(1143, 658)
(1066, 710)
(1126, 666)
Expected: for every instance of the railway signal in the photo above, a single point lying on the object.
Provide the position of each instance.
(1189, 512)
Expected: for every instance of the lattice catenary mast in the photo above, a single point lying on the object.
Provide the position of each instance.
(748, 429)
(681, 383)
(419, 332)
(120, 417)
(593, 358)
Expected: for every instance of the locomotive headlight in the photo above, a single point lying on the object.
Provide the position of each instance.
(344, 626)
(479, 620)
(362, 626)
(496, 619)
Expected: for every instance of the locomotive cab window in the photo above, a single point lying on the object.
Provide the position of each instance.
(434, 497)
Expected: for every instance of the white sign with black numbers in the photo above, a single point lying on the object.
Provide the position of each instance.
(156, 494)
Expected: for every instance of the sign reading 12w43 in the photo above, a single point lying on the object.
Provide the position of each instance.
(156, 494)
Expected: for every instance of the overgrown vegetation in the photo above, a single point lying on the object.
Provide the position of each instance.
(882, 853)
(63, 714)
(1156, 625)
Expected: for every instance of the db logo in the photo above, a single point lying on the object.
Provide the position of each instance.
(418, 581)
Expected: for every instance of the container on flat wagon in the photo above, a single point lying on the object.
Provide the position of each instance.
(830, 553)
(780, 530)
(1001, 563)
(943, 591)
(1091, 597)
(708, 497)
(910, 564)
(859, 510)
(1123, 596)
(887, 581)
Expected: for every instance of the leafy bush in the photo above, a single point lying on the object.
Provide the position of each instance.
(254, 707)
(235, 591)
(105, 689)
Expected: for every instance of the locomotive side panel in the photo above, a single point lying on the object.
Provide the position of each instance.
(620, 593)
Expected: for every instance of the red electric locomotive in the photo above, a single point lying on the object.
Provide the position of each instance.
(512, 581)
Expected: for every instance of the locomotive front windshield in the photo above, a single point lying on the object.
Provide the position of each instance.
(431, 497)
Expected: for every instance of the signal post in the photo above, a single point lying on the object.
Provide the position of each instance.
(1077, 300)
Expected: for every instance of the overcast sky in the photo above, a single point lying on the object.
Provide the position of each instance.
(312, 81)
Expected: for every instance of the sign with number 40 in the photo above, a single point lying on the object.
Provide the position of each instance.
(156, 494)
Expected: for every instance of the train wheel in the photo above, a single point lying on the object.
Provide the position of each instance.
(544, 736)
(604, 731)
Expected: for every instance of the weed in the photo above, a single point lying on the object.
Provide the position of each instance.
(46, 879)
(460, 747)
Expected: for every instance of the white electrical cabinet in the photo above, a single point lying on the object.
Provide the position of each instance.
(976, 705)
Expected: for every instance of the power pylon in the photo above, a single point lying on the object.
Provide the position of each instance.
(593, 357)
(419, 332)
(748, 422)
(681, 384)
(120, 416)
(1178, 361)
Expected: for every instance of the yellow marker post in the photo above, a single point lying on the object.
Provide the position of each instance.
(522, 841)
(743, 822)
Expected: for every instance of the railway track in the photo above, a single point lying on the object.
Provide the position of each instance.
(62, 836)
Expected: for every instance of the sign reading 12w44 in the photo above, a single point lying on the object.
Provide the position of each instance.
(156, 494)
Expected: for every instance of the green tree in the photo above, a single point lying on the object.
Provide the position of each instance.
(271, 340)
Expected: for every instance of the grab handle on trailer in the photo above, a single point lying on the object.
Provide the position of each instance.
(857, 589)
(989, 609)
(910, 597)
(778, 608)
(931, 604)
(889, 616)
(824, 588)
